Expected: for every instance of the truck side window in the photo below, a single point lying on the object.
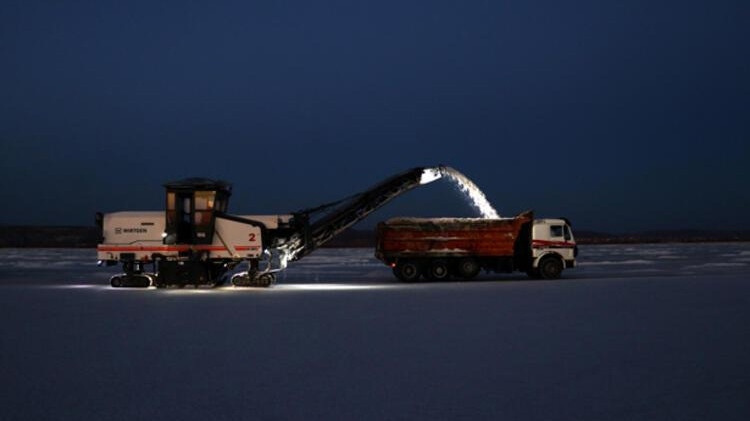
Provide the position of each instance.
(556, 231)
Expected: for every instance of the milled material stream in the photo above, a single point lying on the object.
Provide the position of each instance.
(467, 187)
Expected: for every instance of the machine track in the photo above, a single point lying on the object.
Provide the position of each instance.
(124, 280)
(248, 279)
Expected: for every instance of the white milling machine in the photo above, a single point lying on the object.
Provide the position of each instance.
(195, 241)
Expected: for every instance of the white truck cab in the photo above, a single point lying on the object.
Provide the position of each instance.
(552, 241)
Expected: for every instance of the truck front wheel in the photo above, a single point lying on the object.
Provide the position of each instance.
(407, 271)
(550, 267)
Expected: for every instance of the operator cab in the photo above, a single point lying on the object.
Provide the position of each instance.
(192, 204)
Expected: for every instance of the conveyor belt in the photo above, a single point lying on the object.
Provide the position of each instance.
(347, 212)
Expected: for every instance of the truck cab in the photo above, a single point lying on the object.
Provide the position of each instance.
(553, 247)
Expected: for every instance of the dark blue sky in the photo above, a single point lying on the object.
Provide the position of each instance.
(622, 115)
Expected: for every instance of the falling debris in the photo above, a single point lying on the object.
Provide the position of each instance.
(467, 187)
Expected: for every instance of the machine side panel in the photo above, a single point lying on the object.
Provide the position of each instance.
(139, 234)
(270, 221)
(236, 240)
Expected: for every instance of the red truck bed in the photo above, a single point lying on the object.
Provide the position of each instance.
(403, 237)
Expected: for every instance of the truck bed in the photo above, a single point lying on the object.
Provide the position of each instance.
(404, 237)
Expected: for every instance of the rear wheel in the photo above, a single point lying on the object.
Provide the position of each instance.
(468, 267)
(438, 270)
(407, 271)
(550, 267)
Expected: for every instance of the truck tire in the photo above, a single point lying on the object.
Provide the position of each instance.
(438, 270)
(550, 267)
(468, 267)
(407, 271)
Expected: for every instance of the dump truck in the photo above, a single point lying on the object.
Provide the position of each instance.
(438, 248)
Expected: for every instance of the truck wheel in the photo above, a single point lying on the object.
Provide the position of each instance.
(439, 270)
(407, 271)
(550, 268)
(468, 268)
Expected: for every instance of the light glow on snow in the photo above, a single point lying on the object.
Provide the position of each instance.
(329, 287)
(99, 287)
(191, 291)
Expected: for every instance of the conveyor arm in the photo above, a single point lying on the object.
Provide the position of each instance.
(347, 212)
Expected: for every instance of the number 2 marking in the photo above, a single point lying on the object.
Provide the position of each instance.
(252, 237)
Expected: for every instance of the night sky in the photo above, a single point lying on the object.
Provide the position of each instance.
(622, 115)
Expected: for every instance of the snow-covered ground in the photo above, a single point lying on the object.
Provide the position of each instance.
(636, 332)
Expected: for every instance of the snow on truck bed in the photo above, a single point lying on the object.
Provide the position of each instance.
(402, 220)
(450, 223)
(636, 332)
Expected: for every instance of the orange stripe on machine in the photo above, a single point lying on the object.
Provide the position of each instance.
(172, 248)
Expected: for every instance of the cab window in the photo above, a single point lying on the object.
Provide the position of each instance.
(556, 231)
(171, 209)
(568, 235)
(219, 205)
(204, 203)
(204, 200)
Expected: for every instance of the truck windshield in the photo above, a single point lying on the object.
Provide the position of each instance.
(568, 235)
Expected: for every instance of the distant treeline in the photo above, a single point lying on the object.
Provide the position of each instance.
(662, 236)
(86, 237)
(35, 236)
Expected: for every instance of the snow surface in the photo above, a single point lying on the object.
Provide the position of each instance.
(636, 332)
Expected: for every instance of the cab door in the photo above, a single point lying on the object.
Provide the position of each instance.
(204, 202)
(179, 227)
